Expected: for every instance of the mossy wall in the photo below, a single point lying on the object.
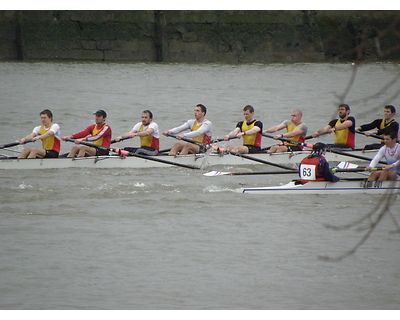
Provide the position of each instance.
(200, 36)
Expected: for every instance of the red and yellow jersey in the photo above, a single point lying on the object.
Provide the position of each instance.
(300, 137)
(149, 141)
(254, 139)
(98, 135)
(203, 138)
(52, 142)
(345, 136)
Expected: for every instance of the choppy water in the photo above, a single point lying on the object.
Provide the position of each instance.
(172, 238)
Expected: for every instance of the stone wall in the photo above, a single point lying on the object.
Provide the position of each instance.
(200, 36)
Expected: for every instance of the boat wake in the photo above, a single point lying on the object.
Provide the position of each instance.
(216, 189)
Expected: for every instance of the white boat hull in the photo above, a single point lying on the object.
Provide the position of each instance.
(326, 187)
(200, 161)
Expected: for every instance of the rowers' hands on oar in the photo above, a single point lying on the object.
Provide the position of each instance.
(281, 138)
(70, 139)
(316, 134)
(182, 137)
(369, 134)
(179, 137)
(226, 138)
(66, 138)
(34, 139)
(366, 133)
(78, 141)
(120, 138)
(389, 167)
(22, 141)
(277, 136)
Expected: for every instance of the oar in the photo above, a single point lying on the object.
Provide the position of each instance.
(12, 144)
(190, 141)
(114, 141)
(221, 173)
(371, 135)
(245, 156)
(334, 170)
(125, 138)
(351, 155)
(199, 143)
(127, 153)
(222, 139)
(321, 134)
(164, 150)
(308, 145)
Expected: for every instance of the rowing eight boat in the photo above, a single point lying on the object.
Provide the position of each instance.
(199, 161)
(325, 187)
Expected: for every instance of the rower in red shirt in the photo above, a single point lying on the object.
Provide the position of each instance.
(99, 134)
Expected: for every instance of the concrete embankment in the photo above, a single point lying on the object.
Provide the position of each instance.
(200, 36)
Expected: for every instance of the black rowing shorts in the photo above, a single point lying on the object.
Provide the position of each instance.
(253, 149)
(100, 152)
(51, 154)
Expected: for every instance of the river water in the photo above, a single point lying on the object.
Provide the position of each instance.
(171, 238)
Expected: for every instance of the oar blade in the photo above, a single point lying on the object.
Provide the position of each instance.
(216, 173)
(346, 165)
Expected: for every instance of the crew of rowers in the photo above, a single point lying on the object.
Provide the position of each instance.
(200, 133)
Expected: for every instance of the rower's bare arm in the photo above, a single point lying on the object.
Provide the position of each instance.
(233, 133)
(126, 134)
(328, 128)
(254, 130)
(274, 128)
(43, 136)
(293, 133)
(344, 125)
(28, 137)
(145, 133)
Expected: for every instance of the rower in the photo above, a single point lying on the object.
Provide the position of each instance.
(201, 132)
(380, 127)
(391, 152)
(250, 130)
(343, 127)
(315, 167)
(296, 131)
(149, 135)
(98, 133)
(50, 135)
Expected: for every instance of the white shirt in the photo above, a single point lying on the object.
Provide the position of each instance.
(206, 128)
(55, 128)
(392, 156)
(152, 125)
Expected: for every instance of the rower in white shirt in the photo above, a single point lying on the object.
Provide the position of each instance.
(391, 152)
